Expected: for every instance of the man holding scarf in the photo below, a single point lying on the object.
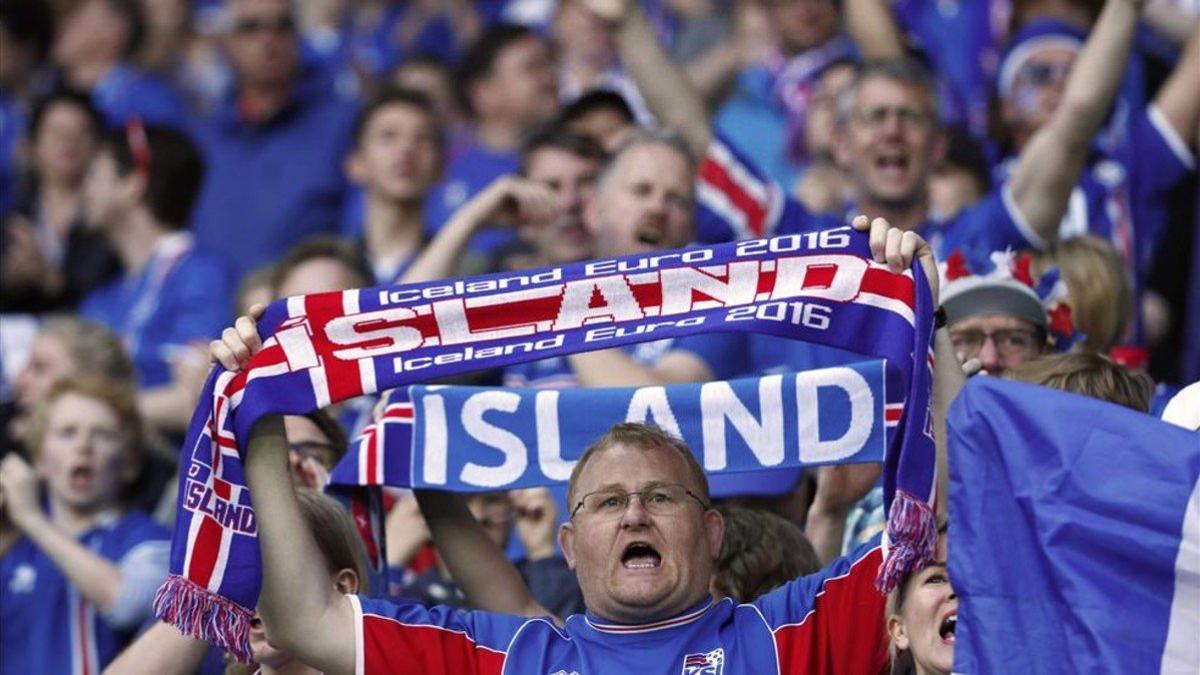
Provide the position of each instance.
(641, 539)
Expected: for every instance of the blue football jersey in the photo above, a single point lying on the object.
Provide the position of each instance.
(46, 625)
(827, 622)
(182, 295)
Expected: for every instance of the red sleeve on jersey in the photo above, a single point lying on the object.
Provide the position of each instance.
(844, 634)
(390, 646)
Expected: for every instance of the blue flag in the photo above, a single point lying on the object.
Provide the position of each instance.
(1074, 535)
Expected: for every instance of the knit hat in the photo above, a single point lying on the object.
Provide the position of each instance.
(1033, 35)
(1009, 290)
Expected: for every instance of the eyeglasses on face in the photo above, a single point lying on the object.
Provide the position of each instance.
(1008, 342)
(661, 499)
(1043, 74)
(251, 25)
(907, 116)
(322, 452)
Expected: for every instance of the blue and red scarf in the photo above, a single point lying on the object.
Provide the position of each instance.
(820, 287)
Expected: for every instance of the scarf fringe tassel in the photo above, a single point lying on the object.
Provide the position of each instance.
(912, 537)
(204, 615)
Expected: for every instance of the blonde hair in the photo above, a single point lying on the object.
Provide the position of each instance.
(1088, 374)
(94, 349)
(1098, 288)
(118, 396)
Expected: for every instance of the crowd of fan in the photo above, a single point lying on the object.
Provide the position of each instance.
(168, 165)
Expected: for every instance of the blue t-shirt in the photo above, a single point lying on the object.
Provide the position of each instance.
(466, 176)
(269, 185)
(827, 622)
(126, 92)
(46, 625)
(180, 296)
(1122, 196)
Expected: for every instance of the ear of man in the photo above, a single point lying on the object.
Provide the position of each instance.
(566, 542)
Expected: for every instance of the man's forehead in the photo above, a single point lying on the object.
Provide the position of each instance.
(1051, 52)
(524, 47)
(239, 8)
(630, 466)
(655, 161)
(400, 113)
(300, 429)
(879, 89)
(554, 160)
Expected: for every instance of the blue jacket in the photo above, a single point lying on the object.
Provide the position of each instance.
(271, 184)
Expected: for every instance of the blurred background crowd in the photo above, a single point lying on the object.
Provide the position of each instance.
(166, 165)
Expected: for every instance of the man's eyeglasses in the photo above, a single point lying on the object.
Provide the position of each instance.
(1043, 74)
(662, 499)
(907, 116)
(1008, 342)
(249, 25)
(322, 452)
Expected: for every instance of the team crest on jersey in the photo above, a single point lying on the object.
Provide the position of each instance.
(712, 663)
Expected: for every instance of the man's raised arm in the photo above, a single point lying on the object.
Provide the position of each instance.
(1178, 100)
(301, 610)
(874, 29)
(508, 200)
(1050, 165)
(665, 86)
(488, 580)
(303, 613)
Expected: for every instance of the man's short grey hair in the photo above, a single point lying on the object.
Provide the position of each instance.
(906, 70)
(659, 136)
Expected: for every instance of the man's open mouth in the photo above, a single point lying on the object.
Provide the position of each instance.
(946, 628)
(81, 477)
(649, 235)
(640, 556)
(892, 162)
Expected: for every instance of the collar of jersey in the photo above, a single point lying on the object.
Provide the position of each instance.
(685, 618)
